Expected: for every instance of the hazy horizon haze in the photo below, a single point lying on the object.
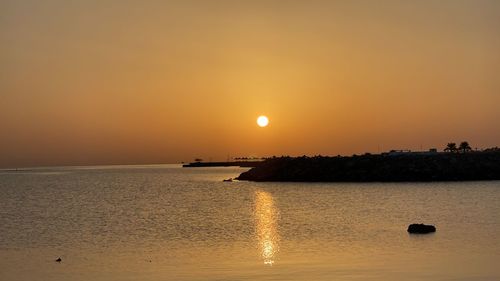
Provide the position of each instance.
(134, 82)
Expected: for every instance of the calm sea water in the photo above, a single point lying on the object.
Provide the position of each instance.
(168, 223)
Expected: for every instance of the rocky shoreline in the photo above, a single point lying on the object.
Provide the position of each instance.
(379, 168)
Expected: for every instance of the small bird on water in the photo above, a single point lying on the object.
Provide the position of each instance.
(59, 260)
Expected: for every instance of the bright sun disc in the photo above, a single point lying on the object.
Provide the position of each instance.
(262, 121)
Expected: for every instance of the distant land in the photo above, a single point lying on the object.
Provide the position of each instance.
(199, 164)
(386, 167)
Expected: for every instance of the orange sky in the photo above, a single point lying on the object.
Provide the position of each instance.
(101, 82)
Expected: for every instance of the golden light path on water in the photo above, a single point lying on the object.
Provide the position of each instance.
(266, 224)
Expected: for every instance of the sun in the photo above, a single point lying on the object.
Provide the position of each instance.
(262, 121)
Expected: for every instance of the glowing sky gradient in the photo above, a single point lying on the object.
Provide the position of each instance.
(100, 82)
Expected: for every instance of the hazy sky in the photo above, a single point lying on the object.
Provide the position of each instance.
(96, 82)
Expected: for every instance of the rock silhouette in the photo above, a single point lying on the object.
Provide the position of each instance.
(405, 167)
(421, 228)
(59, 260)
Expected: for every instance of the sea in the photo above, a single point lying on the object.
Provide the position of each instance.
(165, 222)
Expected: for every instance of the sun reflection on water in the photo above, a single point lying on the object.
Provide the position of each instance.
(266, 223)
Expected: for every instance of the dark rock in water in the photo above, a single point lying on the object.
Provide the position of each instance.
(59, 260)
(421, 228)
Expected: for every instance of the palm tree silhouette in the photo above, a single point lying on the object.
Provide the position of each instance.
(451, 147)
(464, 147)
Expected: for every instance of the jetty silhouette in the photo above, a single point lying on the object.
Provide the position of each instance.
(395, 167)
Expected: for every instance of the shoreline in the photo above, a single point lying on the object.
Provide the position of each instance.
(438, 167)
(246, 164)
